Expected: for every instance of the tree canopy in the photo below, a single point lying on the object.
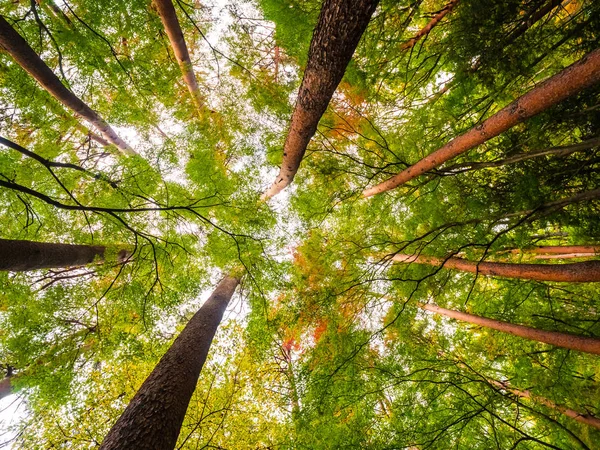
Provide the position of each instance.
(365, 317)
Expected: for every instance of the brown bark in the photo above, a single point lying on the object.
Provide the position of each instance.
(559, 249)
(569, 81)
(20, 256)
(153, 418)
(554, 151)
(338, 31)
(24, 55)
(564, 340)
(588, 271)
(5, 387)
(168, 17)
(427, 28)
(587, 419)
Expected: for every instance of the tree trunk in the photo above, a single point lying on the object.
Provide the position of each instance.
(153, 418)
(21, 256)
(24, 55)
(168, 17)
(569, 81)
(564, 340)
(587, 419)
(589, 250)
(5, 387)
(555, 151)
(580, 272)
(427, 28)
(338, 31)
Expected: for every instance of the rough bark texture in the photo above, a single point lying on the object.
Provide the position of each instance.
(24, 55)
(338, 31)
(587, 419)
(565, 340)
(153, 418)
(168, 17)
(427, 28)
(20, 256)
(554, 151)
(580, 272)
(5, 387)
(569, 81)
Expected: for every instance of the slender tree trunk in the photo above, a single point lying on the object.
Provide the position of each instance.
(338, 31)
(54, 10)
(153, 418)
(559, 249)
(24, 55)
(587, 419)
(432, 23)
(20, 256)
(5, 387)
(580, 272)
(168, 17)
(564, 340)
(555, 151)
(569, 81)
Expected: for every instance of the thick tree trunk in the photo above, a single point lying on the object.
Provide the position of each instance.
(589, 250)
(555, 151)
(168, 17)
(432, 23)
(153, 418)
(564, 340)
(580, 272)
(5, 387)
(587, 419)
(569, 81)
(20, 256)
(338, 31)
(24, 55)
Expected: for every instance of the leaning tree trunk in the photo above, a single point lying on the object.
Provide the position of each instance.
(580, 272)
(569, 81)
(5, 387)
(587, 419)
(338, 31)
(564, 340)
(167, 14)
(153, 418)
(432, 23)
(24, 55)
(20, 256)
(589, 250)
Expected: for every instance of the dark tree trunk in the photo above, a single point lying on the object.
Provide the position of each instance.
(168, 17)
(578, 76)
(564, 340)
(338, 31)
(29, 60)
(153, 418)
(5, 387)
(20, 256)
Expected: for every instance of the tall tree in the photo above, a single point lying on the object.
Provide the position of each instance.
(24, 55)
(569, 81)
(154, 416)
(168, 17)
(580, 272)
(338, 31)
(19, 256)
(570, 341)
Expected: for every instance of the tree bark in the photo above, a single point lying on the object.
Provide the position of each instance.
(5, 387)
(587, 419)
(581, 272)
(21, 256)
(569, 81)
(338, 31)
(168, 17)
(554, 151)
(24, 55)
(564, 340)
(432, 23)
(559, 249)
(153, 418)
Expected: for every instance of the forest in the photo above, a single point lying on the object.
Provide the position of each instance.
(300, 224)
